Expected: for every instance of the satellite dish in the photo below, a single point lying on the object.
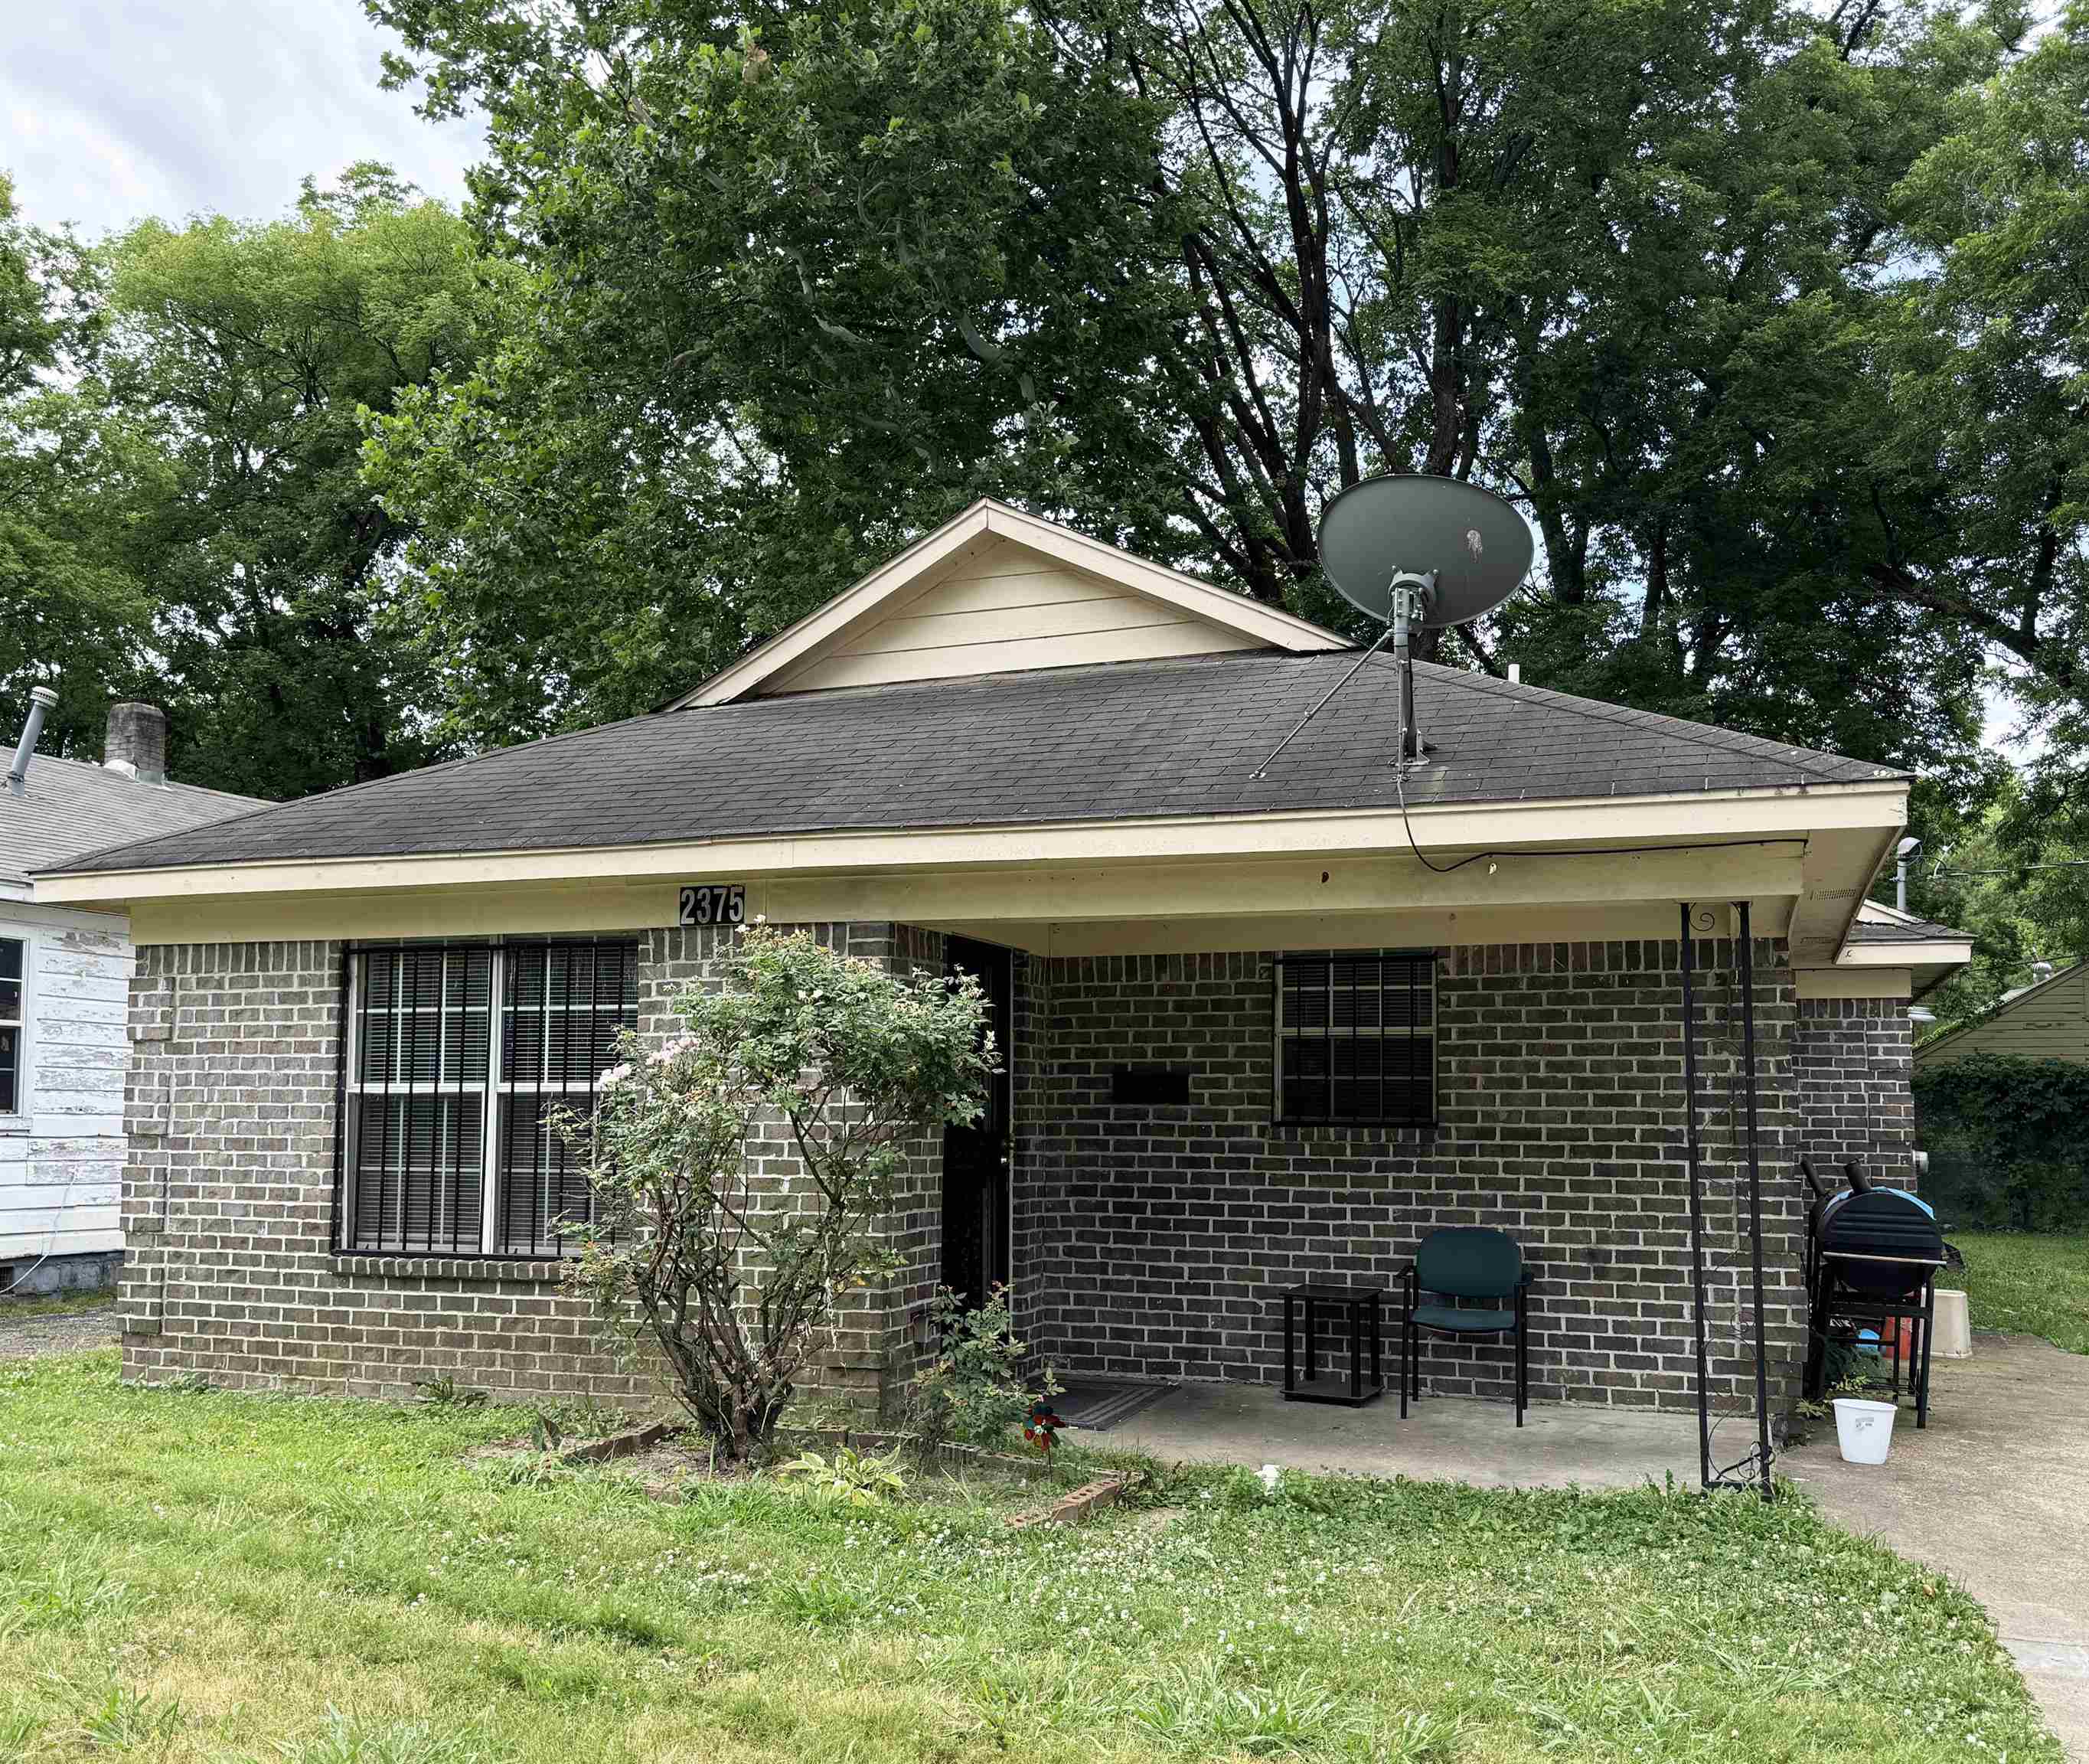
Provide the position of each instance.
(1464, 548)
(1420, 551)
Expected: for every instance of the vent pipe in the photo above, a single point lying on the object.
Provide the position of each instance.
(2040, 973)
(1901, 853)
(41, 702)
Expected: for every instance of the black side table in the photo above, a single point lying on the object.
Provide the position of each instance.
(1359, 1306)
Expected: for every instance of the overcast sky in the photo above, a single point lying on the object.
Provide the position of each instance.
(113, 109)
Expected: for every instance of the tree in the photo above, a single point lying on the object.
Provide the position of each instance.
(1991, 373)
(731, 1266)
(70, 612)
(797, 290)
(250, 354)
(1176, 271)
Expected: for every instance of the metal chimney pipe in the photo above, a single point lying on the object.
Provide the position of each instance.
(41, 701)
(1901, 853)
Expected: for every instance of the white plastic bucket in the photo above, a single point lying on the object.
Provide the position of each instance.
(1954, 1325)
(1863, 1429)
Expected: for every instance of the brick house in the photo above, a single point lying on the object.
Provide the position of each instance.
(1259, 1027)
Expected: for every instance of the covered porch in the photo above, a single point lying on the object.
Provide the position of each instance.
(1158, 1173)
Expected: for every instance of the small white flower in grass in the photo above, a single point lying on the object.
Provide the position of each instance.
(1271, 1476)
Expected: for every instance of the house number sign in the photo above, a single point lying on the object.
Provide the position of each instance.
(714, 903)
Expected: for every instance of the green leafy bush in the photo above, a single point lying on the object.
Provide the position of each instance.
(2008, 1139)
(973, 1390)
(733, 1271)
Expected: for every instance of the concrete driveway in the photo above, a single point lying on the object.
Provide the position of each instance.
(1995, 1491)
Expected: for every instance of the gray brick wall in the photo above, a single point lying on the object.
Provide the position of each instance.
(1855, 1060)
(1159, 1239)
(1149, 1241)
(229, 1201)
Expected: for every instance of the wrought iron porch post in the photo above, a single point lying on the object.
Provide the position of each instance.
(1696, 1202)
(1746, 957)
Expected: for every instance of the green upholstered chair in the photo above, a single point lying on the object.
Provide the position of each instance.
(1486, 1269)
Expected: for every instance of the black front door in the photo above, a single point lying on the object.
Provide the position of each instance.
(976, 1158)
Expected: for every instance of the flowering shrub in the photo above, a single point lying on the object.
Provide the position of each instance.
(733, 1271)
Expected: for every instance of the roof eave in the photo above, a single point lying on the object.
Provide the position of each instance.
(1701, 817)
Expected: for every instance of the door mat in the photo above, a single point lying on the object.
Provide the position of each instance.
(1098, 1406)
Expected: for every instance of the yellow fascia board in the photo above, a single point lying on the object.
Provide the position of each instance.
(1714, 817)
(1935, 954)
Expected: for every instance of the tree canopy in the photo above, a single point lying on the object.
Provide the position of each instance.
(1768, 314)
(185, 518)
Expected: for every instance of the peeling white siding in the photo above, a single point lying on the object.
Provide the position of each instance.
(61, 1158)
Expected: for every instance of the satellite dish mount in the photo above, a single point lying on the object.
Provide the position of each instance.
(1413, 596)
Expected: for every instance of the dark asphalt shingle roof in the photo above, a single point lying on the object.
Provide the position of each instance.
(68, 807)
(1118, 740)
(1910, 930)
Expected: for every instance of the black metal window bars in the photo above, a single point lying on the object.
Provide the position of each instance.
(1356, 1037)
(449, 1145)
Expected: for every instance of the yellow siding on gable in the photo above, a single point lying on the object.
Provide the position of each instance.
(1002, 608)
(2053, 1025)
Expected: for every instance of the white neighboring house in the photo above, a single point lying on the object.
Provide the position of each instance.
(65, 979)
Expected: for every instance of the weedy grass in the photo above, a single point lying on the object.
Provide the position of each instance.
(2027, 1283)
(237, 1578)
(15, 1307)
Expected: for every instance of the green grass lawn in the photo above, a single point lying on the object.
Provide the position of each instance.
(192, 1575)
(2029, 1285)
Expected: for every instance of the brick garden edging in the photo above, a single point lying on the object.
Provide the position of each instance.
(1076, 1508)
(963, 1457)
(621, 1445)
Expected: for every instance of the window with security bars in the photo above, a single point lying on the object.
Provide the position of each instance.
(14, 953)
(460, 1058)
(1356, 1037)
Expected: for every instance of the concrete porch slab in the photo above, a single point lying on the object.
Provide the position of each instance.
(1444, 1438)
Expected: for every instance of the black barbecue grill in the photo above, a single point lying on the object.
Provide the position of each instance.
(1871, 1258)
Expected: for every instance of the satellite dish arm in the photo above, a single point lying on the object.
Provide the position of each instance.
(1263, 769)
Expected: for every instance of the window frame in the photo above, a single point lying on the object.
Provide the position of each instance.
(495, 1092)
(16, 1119)
(1429, 959)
